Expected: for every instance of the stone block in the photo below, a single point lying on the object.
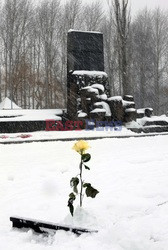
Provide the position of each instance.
(130, 115)
(128, 98)
(148, 112)
(117, 109)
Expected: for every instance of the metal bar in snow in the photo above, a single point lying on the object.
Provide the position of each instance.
(45, 227)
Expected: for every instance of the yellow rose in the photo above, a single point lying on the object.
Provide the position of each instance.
(81, 146)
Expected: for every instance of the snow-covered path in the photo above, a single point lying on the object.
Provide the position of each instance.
(130, 212)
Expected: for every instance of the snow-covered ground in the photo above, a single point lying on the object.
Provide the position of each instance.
(30, 115)
(51, 135)
(130, 212)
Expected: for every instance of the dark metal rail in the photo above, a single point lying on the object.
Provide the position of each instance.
(46, 227)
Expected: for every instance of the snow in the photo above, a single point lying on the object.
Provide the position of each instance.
(8, 104)
(126, 103)
(98, 86)
(58, 135)
(103, 97)
(91, 90)
(115, 98)
(130, 110)
(142, 111)
(104, 106)
(30, 115)
(98, 110)
(90, 73)
(133, 124)
(82, 114)
(72, 30)
(130, 96)
(130, 212)
(143, 120)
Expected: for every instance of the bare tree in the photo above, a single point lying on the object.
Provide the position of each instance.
(142, 68)
(48, 18)
(71, 18)
(111, 53)
(160, 47)
(122, 22)
(15, 17)
(93, 15)
(71, 14)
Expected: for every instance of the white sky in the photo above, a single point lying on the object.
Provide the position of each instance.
(137, 5)
(151, 4)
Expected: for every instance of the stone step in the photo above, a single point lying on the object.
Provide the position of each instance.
(155, 129)
(150, 129)
(156, 123)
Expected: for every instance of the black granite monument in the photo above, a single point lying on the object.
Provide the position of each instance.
(85, 55)
(85, 51)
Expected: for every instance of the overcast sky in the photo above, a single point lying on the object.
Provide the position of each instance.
(139, 4)
(135, 4)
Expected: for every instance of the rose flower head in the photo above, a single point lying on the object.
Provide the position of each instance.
(81, 146)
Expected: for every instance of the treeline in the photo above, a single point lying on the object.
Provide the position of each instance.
(33, 40)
